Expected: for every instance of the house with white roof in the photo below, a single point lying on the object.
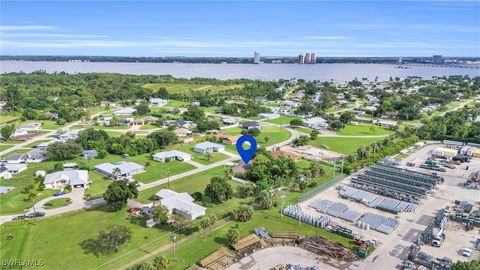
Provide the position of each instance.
(180, 203)
(125, 111)
(119, 170)
(44, 145)
(158, 102)
(15, 168)
(315, 123)
(208, 147)
(172, 155)
(290, 103)
(61, 179)
(20, 132)
(30, 126)
(268, 115)
(69, 135)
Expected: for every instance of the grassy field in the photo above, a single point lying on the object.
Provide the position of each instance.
(36, 143)
(343, 145)
(4, 147)
(185, 87)
(274, 134)
(56, 203)
(198, 157)
(282, 120)
(364, 130)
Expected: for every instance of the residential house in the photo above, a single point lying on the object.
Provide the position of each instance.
(30, 126)
(20, 132)
(180, 203)
(44, 145)
(69, 135)
(125, 111)
(250, 125)
(145, 120)
(89, 154)
(290, 103)
(241, 169)
(16, 159)
(208, 147)
(390, 115)
(226, 139)
(158, 102)
(70, 166)
(35, 156)
(182, 132)
(172, 155)
(120, 169)
(315, 123)
(386, 123)
(281, 153)
(61, 179)
(230, 121)
(180, 124)
(105, 103)
(5, 174)
(268, 115)
(15, 168)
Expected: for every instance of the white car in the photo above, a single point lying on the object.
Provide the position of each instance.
(467, 252)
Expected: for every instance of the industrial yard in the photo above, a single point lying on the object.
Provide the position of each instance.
(395, 205)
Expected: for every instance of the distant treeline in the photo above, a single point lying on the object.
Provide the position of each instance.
(217, 60)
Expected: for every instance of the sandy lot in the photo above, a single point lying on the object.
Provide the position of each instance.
(267, 258)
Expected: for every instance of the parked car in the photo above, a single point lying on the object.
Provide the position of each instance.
(134, 210)
(467, 252)
(36, 214)
(60, 193)
(21, 217)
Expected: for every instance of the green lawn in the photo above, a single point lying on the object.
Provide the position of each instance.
(198, 157)
(7, 117)
(4, 147)
(282, 120)
(98, 185)
(364, 130)
(342, 145)
(46, 124)
(102, 127)
(274, 134)
(147, 127)
(158, 170)
(196, 182)
(56, 203)
(185, 87)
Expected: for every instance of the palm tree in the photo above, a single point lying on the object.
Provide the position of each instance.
(208, 157)
(361, 152)
(116, 173)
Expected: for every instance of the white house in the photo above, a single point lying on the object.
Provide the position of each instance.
(127, 169)
(315, 123)
(208, 147)
(20, 132)
(182, 132)
(268, 115)
(35, 156)
(158, 102)
(4, 173)
(30, 126)
(172, 155)
(15, 168)
(290, 103)
(61, 179)
(180, 203)
(125, 111)
(69, 135)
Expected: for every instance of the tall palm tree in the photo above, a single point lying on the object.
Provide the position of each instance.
(116, 173)
(32, 196)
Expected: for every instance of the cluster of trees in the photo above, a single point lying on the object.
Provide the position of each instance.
(218, 190)
(197, 115)
(159, 263)
(7, 131)
(268, 172)
(248, 109)
(108, 241)
(456, 125)
(118, 193)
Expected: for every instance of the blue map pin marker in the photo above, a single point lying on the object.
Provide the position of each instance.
(246, 155)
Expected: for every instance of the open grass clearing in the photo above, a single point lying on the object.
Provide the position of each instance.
(364, 130)
(186, 87)
(56, 203)
(343, 145)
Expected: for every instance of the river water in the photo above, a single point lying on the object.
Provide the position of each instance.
(323, 72)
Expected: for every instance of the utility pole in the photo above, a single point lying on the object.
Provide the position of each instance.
(173, 238)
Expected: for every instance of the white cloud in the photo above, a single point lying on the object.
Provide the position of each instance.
(26, 27)
(44, 35)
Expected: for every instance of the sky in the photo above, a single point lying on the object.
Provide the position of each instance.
(238, 28)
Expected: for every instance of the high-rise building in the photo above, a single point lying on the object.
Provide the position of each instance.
(307, 58)
(301, 59)
(256, 58)
(399, 61)
(437, 59)
(313, 58)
